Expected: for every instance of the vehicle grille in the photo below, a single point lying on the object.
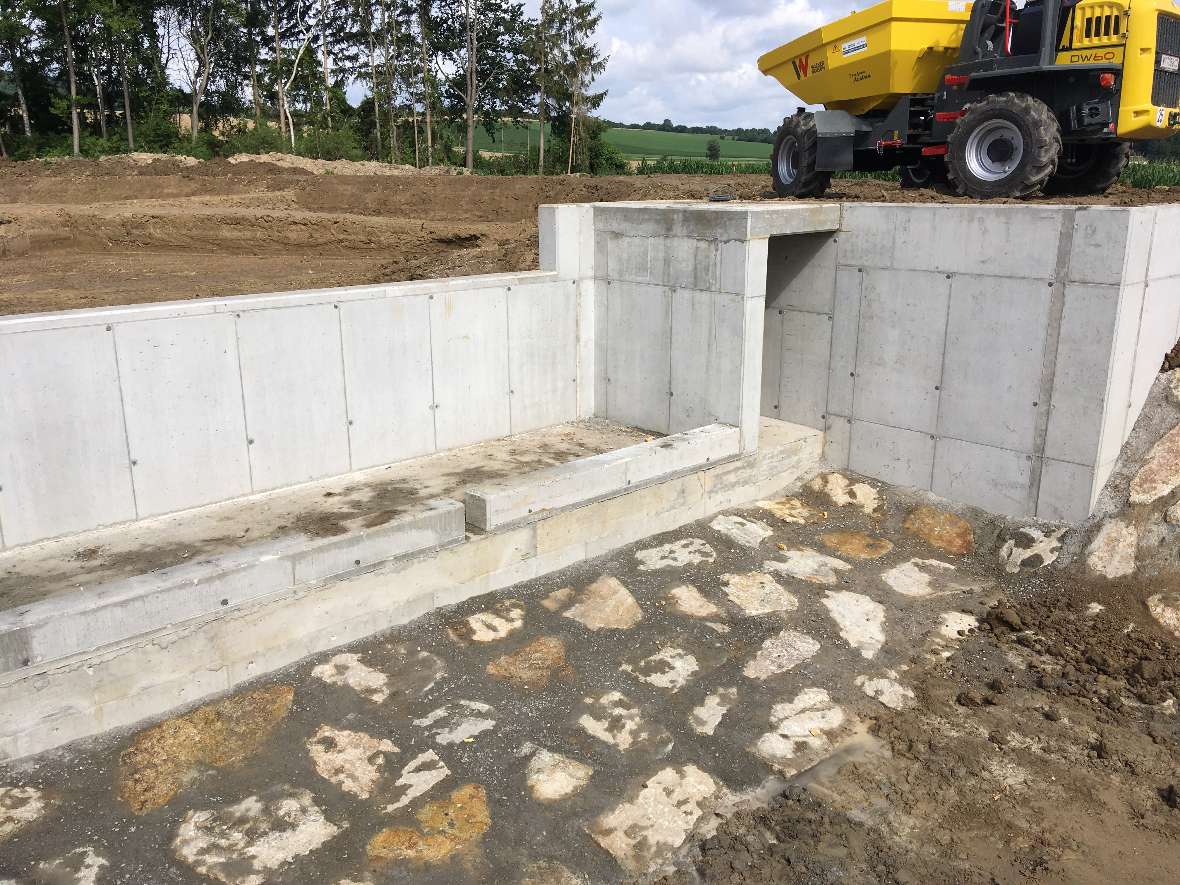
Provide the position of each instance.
(1165, 89)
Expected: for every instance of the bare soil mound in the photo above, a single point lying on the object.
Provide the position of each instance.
(143, 228)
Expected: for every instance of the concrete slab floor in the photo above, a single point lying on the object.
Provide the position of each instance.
(329, 508)
(574, 728)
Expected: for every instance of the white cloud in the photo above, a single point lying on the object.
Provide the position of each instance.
(696, 62)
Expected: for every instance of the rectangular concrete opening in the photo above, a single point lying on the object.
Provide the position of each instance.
(800, 298)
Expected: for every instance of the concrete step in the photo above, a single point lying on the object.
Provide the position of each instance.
(531, 496)
(93, 617)
(55, 700)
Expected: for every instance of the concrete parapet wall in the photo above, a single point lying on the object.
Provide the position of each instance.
(997, 355)
(120, 414)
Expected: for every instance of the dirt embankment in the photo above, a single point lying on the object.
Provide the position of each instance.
(96, 233)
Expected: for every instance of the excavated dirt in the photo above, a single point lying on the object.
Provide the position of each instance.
(81, 233)
(1045, 749)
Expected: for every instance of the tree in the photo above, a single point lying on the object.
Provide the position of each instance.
(713, 150)
(16, 34)
(546, 48)
(483, 63)
(68, 43)
(582, 64)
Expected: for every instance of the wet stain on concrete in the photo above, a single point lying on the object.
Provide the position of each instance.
(165, 757)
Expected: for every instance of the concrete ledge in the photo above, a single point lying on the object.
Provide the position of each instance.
(719, 221)
(43, 706)
(528, 498)
(92, 617)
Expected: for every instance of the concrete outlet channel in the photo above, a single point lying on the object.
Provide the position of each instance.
(167, 471)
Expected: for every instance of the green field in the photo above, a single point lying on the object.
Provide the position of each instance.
(634, 144)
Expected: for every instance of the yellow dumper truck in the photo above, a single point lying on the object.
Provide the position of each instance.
(997, 98)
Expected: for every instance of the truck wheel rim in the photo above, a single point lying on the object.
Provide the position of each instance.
(994, 150)
(788, 160)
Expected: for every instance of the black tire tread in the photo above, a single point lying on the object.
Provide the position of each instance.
(1108, 167)
(1046, 146)
(810, 182)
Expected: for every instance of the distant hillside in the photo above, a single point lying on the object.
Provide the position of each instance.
(633, 143)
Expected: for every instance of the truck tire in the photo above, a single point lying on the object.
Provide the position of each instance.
(793, 162)
(1006, 145)
(1085, 169)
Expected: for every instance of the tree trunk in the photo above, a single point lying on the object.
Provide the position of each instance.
(279, 99)
(102, 105)
(325, 63)
(376, 89)
(127, 100)
(14, 55)
(3, 150)
(541, 119)
(417, 146)
(65, 24)
(470, 95)
(426, 97)
(390, 83)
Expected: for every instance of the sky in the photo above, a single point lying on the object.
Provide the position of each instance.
(696, 62)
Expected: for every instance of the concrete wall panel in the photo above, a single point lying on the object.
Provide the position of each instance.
(982, 240)
(706, 374)
(1157, 336)
(543, 355)
(293, 380)
(685, 263)
(866, 236)
(1080, 394)
(803, 383)
(904, 457)
(772, 362)
(899, 358)
(837, 441)
(1118, 421)
(638, 355)
(387, 371)
(1139, 236)
(186, 428)
(469, 334)
(63, 448)
(1165, 257)
(1066, 493)
(587, 347)
(845, 332)
(801, 272)
(1101, 236)
(994, 479)
(995, 350)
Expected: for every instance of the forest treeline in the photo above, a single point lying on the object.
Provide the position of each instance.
(206, 77)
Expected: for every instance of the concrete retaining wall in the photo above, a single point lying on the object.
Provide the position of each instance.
(997, 355)
(120, 414)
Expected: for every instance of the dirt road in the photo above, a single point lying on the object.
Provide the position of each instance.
(88, 234)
